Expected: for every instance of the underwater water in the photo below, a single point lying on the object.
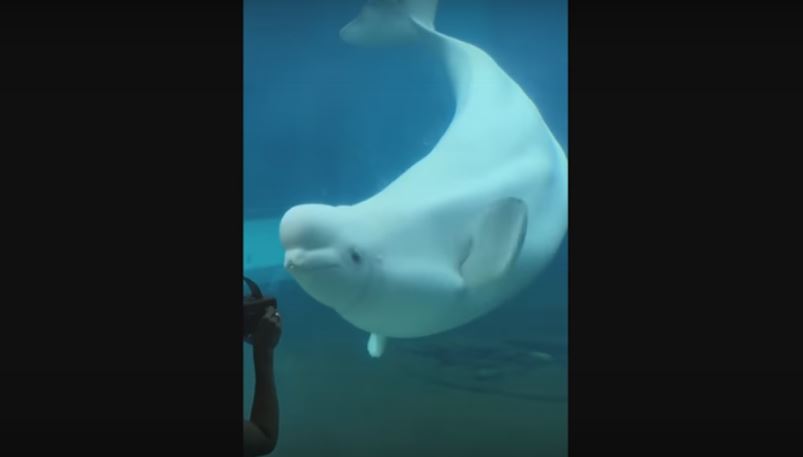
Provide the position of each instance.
(327, 122)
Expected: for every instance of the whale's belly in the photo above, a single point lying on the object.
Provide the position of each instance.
(432, 206)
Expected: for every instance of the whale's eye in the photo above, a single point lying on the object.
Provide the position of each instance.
(355, 257)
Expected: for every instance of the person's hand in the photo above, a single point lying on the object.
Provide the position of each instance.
(269, 329)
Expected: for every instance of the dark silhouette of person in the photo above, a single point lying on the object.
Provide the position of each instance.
(262, 328)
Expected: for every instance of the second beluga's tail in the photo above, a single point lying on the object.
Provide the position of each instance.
(390, 22)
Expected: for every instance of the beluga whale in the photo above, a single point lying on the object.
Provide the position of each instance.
(462, 230)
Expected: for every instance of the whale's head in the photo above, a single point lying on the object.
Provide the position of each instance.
(324, 254)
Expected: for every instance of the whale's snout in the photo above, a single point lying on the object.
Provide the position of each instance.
(292, 260)
(307, 226)
(302, 261)
(289, 264)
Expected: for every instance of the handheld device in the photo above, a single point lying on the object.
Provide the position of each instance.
(254, 308)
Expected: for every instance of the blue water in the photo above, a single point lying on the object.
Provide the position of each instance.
(327, 122)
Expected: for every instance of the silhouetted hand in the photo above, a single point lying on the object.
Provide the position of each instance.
(269, 329)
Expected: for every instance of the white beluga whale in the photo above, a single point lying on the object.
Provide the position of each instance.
(461, 231)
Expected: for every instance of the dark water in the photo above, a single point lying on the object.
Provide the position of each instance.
(331, 123)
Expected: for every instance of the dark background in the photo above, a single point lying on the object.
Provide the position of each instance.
(122, 172)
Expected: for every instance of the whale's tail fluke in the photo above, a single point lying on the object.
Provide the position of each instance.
(390, 22)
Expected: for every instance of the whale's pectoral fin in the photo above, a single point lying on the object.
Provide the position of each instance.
(495, 242)
(376, 345)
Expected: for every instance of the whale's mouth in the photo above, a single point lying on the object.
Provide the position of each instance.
(300, 261)
(292, 267)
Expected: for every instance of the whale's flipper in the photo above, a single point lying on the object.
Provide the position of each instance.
(495, 242)
(389, 22)
(376, 345)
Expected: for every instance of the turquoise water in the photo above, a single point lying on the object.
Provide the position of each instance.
(330, 123)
